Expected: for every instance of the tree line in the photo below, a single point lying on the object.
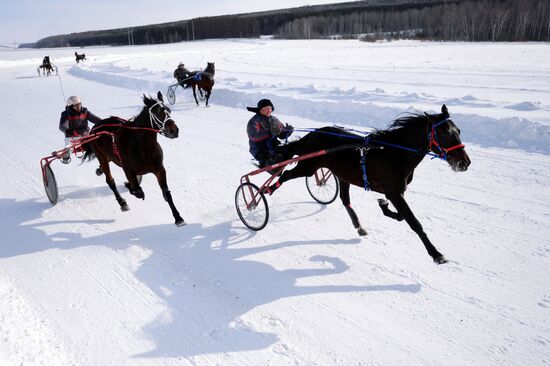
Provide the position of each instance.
(465, 20)
(487, 20)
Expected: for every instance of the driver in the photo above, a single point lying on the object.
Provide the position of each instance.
(263, 131)
(182, 75)
(74, 123)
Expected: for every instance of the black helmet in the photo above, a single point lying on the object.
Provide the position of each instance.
(261, 103)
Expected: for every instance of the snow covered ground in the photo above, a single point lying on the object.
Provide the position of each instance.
(82, 283)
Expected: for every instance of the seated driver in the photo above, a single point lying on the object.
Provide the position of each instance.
(182, 75)
(263, 131)
(74, 123)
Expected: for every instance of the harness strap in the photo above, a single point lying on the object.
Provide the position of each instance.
(116, 135)
(116, 149)
(363, 150)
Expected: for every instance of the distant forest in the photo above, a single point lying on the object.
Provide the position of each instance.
(450, 20)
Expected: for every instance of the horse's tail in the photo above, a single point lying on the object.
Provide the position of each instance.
(89, 153)
(293, 148)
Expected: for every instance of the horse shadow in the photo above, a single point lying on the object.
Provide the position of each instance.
(211, 282)
(210, 278)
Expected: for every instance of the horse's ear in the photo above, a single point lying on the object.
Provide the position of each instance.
(444, 110)
(146, 100)
(159, 96)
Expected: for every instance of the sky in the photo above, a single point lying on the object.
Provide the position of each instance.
(28, 21)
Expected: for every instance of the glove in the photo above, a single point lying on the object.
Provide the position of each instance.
(289, 128)
(69, 132)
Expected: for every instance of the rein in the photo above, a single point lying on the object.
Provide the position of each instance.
(154, 120)
(433, 142)
(128, 127)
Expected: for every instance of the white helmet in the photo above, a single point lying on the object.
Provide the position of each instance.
(73, 100)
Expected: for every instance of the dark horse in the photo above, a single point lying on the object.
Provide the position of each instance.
(46, 67)
(79, 57)
(203, 80)
(389, 158)
(133, 146)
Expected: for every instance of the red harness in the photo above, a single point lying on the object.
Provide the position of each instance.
(115, 135)
(434, 143)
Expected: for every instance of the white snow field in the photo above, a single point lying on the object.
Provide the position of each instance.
(82, 283)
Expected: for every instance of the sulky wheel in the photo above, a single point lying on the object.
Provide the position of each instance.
(323, 186)
(251, 206)
(50, 184)
(171, 94)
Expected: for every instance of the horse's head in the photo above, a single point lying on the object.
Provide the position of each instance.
(210, 68)
(159, 116)
(444, 140)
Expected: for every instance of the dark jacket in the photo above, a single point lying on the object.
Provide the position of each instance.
(263, 133)
(181, 73)
(76, 121)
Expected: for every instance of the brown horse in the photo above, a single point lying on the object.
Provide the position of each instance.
(79, 57)
(383, 162)
(133, 146)
(203, 80)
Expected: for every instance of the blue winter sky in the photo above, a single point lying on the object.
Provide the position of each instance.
(30, 20)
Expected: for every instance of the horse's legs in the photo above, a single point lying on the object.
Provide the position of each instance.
(161, 178)
(195, 93)
(303, 169)
(104, 164)
(207, 93)
(200, 91)
(398, 201)
(344, 196)
(133, 185)
(387, 212)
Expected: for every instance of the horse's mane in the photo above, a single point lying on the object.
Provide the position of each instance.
(408, 121)
(108, 124)
(403, 125)
(148, 103)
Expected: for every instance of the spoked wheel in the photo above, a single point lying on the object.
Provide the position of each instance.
(50, 184)
(171, 94)
(323, 186)
(251, 206)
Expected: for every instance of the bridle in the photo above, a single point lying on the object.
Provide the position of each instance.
(433, 142)
(157, 123)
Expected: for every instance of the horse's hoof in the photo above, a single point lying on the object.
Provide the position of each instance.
(382, 202)
(138, 193)
(124, 207)
(440, 259)
(181, 222)
(362, 232)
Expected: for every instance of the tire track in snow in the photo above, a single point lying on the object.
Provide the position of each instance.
(487, 131)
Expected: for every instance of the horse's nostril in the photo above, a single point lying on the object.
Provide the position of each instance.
(462, 165)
